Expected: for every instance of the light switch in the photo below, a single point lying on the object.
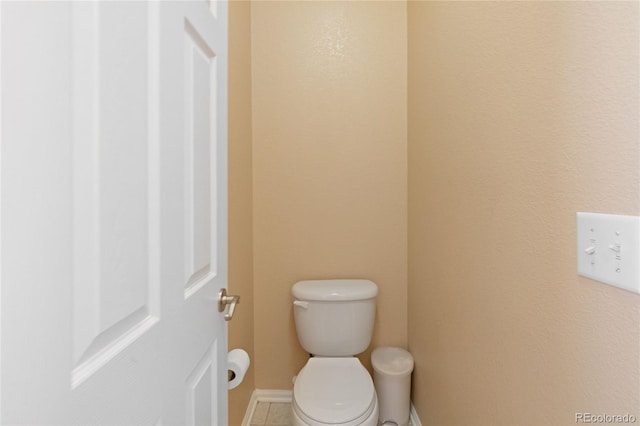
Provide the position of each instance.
(609, 249)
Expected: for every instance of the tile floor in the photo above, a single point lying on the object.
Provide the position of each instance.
(272, 414)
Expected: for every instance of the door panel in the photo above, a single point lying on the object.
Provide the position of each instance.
(199, 61)
(199, 409)
(116, 290)
(113, 214)
(200, 156)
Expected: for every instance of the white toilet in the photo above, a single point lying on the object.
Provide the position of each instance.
(334, 320)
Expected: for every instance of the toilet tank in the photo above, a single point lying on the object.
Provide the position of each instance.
(334, 317)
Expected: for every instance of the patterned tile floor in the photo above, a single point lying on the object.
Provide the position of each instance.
(272, 414)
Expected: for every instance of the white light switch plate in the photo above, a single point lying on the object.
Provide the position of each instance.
(609, 249)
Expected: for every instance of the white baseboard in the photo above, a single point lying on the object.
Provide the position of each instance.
(264, 395)
(413, 416)
(251, 407)
(275, 395)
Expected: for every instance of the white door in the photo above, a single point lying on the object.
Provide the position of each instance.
(113, 227)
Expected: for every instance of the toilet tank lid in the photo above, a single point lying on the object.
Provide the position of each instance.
(329, 290)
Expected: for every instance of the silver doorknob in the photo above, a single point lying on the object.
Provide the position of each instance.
(224, 300)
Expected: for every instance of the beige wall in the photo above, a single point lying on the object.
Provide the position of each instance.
(520, 114)
(240, 198)
(329, 155)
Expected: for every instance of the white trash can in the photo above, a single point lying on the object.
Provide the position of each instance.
(392, 369)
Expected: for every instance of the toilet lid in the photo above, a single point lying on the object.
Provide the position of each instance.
(334, 390)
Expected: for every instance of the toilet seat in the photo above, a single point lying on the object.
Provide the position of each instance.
(334, 391)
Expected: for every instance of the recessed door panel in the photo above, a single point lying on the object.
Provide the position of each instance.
(199, 387)
(115, 283)
(200, 160)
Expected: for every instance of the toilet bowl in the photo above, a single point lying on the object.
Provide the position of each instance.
(334, 321)
(334, 391)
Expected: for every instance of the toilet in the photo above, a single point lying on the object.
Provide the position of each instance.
(334, 321)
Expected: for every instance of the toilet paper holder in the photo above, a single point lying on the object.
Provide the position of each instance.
(237, 365)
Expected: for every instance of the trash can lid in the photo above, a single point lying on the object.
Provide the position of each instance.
(392, 361)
